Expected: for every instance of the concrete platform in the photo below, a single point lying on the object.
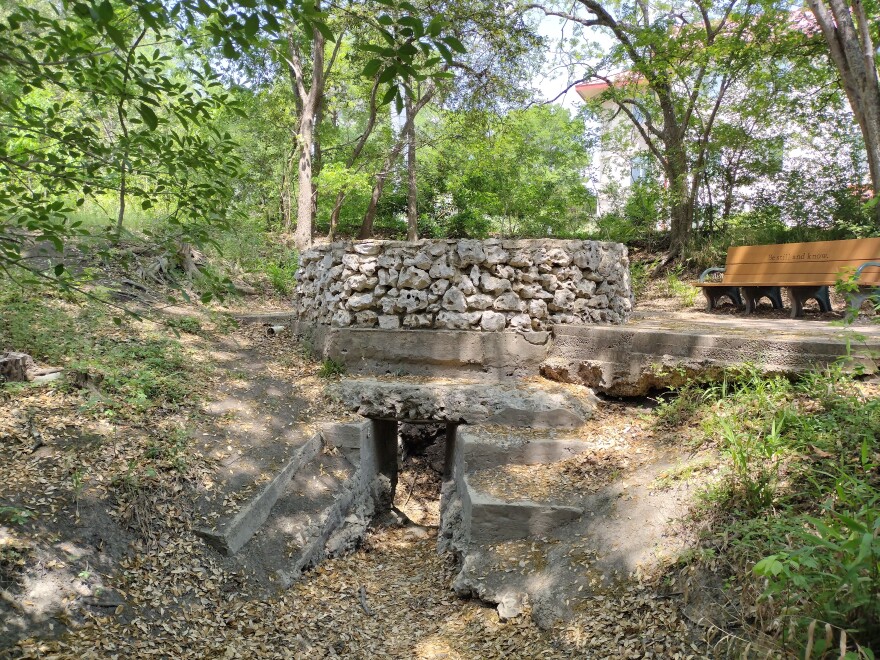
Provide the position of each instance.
(653, 351)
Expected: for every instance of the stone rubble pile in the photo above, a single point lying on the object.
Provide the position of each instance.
(464, 284)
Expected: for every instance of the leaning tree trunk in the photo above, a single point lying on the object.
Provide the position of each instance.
(847, 31)
(370, 216)
(412, 207)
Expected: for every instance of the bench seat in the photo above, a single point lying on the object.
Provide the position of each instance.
(805, 269)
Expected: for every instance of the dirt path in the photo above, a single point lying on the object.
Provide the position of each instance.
(127, 577)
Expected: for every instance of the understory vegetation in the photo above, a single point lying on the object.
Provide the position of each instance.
(793, 514)
(788, 516)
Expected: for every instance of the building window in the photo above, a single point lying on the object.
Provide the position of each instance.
(639, 168)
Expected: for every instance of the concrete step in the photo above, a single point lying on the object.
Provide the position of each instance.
(232, 532)
(540, 404)
(489, 519)
(476, 514)
(312, 506)
(480, 448)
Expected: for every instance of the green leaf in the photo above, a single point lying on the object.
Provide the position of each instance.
(389, 95)
(371, 68)
(388, 75)
(324, 29)
(59, 269)
(385, 19)
(435, 27)
(149, 117)
(455, 44)
(768, 566)
(251, 26)
(228, 49)
(105, 11)
(414, 23)
(444, 51)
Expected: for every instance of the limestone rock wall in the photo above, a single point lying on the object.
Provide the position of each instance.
(464, 284)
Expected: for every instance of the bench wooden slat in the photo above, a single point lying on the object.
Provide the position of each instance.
(813, 273)
(758, 271)
(777, 282)
(854, 249)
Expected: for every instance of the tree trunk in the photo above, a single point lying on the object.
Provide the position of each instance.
(412, 208)
(186, 259)
(681, 204)
(15, 367)
(370, 216)
(309, 105)
(302, 237)
(847, 32)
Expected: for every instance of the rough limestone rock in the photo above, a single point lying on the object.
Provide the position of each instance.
(451, 283)
(454, 300)
(493, 321)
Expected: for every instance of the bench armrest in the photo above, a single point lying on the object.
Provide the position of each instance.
(867, 264)
(709, 271)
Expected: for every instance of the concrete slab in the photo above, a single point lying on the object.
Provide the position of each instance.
(230, 535)
(428, 352)
(654, 353)
(545, 405)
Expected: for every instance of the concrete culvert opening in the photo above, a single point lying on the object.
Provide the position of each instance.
(421, 461)
(415, 457)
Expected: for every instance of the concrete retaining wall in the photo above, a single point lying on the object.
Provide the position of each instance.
(487, 285)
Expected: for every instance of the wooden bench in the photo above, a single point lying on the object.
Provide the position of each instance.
(805, 269)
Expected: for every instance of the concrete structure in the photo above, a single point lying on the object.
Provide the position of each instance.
(486, 286)
(631, 360)
(517, 404)
(660, 353)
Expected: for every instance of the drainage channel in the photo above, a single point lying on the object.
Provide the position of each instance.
(485, 447)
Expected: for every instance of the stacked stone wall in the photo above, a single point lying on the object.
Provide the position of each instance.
(464, 284)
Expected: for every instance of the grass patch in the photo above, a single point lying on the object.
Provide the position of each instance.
(798, 501)
(676, 287)
(188, 324)
(138, 370)
(331, 368)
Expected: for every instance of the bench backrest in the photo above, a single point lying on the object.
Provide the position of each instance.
(802, 264)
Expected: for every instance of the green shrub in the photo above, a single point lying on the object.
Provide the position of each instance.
(188, 324)
(282, 276)
(832, 572)
(138, 374)
(331, 368)
(798, 496)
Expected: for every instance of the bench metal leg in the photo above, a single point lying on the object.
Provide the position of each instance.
(753, 295)
(714, 294)
(855, 300)
(801, 294)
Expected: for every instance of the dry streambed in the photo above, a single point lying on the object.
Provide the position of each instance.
(110, 549)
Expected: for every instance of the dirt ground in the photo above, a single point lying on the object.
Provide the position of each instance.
(106, 563)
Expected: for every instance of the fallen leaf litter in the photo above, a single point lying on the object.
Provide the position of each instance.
(391, 598)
